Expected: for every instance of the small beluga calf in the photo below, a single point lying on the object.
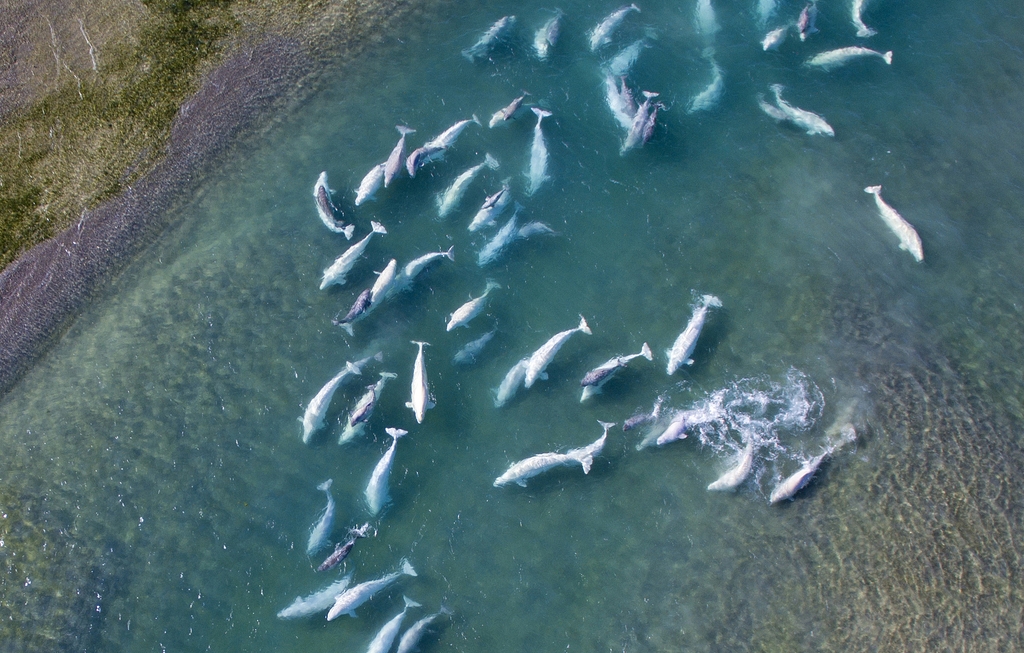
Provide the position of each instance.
(595, 379)
(524, 469)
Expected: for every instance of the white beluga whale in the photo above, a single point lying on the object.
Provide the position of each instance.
(685, 343)
(329, 214)
(546, 37)
(856, 9)
(642, 127)
(810, 122)
(353, 597)
(620, 100)
(341, 551)
(511, 383)
(836, 58)
(528, 468)
(712, 93)
(321, 531)
(414, 267)
(639, 419)
(909, 240)
(798, 480)
(471, 350)
(622, 63)
(773, 39)
(446, 139)
(489, 39)
(537, 174)
(421, 400)
(450, 198)
(503, 115)
(542, 357)
(472, 308)
(355, 423)
(370, 184)
(385, 637)
(500, 240)
(313, 418)
(435, 148)
(376, 492)
(595, 379)
(704, 19)
(411, 637)
(316, 602)
(396, 159)
(385, 282)
(338, 271)
(733, 477)
(601, 35)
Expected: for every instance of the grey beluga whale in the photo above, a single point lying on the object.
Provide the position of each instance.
(490, 38)
(686, 342)
(328, 212)
(596, 378)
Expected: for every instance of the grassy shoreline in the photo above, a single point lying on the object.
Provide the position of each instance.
(93, 160)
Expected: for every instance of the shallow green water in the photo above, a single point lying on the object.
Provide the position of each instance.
(157, 494)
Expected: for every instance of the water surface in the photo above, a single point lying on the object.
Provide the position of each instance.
(157, 495)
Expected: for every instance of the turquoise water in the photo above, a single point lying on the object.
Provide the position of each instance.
(157, 496)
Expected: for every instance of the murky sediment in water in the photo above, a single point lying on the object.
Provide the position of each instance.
(157, 446)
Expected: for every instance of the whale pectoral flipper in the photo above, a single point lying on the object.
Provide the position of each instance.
(408, 404)
(543, 376)
(521, 482)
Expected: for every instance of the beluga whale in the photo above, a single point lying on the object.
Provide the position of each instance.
(353, 597)
(601, 35)
(542, 357)
(421, 400)
(909, 240)
(376, 492)
(528, 468)
(329, 214)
